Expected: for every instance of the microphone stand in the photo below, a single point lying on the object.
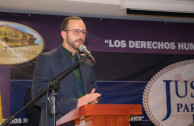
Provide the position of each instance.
(54, 85)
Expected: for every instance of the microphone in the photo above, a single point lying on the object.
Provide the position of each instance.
(83, 49)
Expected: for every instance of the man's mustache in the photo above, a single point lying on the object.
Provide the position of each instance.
(79, 40)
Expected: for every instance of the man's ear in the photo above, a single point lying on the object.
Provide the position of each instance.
(63, 34)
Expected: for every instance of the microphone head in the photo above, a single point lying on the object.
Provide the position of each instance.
(82, 48)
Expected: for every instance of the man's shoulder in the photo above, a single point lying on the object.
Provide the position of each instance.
(49, 58)
(52, 53)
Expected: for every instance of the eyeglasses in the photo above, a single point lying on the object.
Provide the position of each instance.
(77, 31)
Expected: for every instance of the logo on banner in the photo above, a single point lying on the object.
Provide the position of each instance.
(168, 98)
(18, 43)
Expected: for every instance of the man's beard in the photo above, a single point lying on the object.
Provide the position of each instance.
(72, 43)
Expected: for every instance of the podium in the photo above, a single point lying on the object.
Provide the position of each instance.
(101, 115)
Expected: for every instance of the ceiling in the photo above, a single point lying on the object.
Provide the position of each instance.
(99, 8)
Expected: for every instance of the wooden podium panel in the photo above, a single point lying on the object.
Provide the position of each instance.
(122, 120)
(101, 115)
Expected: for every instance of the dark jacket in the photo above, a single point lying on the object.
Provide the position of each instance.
(48, 65)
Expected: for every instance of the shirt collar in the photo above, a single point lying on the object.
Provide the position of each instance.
(69, 54)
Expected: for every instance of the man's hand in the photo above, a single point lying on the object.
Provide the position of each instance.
(88, 98)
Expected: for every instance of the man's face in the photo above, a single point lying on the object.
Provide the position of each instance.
(73, 39)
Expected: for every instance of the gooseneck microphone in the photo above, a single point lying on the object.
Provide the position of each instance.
(83, 49)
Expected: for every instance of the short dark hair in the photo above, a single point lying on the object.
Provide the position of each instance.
(66, 22)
